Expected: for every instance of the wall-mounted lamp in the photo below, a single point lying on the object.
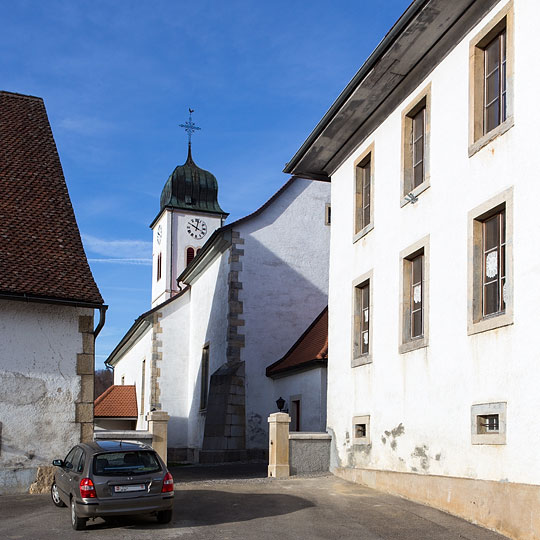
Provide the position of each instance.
(280, 403)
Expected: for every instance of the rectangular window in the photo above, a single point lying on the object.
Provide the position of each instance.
(158, 267)
(362, 320)
(418, 146)
(490, 264)
(491, 74)
(417, 296)
(205, 367)
(495, 82)
(493, 264)
(488, 423)
(415, 134)
(327, 214)
(363, 198)
(363, 194)
(414, 300)
(361, 430)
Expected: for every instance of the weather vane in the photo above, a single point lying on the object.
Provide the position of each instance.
(190, 127)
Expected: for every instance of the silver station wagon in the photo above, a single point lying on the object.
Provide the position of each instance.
(112, 478)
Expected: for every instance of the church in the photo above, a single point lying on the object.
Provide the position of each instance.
(237, 318)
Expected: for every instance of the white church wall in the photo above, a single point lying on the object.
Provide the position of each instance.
(39, 387)
(174, 367)
(209, 306)
(420, 402)
(161, 234)
(285, 280)
(128, 371)
(180, 221)
(309, 388)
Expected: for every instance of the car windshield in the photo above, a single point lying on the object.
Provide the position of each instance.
(122, 463)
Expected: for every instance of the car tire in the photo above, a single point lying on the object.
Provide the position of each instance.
(76, 522)
(164, 516)
(55, 496)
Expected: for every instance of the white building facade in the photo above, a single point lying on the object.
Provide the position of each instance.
(48, 297)
(201, 352)
(432, 300)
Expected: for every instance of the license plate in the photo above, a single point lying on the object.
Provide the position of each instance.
(135, 487)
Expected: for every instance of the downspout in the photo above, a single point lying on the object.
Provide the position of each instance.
(102, 311)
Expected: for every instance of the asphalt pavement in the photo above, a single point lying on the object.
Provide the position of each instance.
(239, 502)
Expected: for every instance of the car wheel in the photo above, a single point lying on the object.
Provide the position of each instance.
(164, 516)
(76, 522)
(55, 496)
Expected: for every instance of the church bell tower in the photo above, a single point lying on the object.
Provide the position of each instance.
(189, 213)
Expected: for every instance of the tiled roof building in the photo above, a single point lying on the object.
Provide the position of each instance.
(42, 252)
(118, 401)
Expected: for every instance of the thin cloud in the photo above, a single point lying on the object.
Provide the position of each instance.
(141, 262)
(85, 125)
(118, 250)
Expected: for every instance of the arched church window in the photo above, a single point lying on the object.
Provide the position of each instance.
(190, 255)
(158, 269)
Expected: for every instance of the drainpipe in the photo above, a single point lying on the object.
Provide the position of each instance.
(102, 312)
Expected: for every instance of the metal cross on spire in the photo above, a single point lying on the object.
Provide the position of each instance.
(190, 126)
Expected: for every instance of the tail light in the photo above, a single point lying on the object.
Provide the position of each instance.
(88, 491)
(168, 483)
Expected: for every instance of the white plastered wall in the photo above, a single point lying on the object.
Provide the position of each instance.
(285, 280)
(420, 402)
(39, 387)
(208, 320)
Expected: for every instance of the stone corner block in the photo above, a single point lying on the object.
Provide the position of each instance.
(85, 364)
(84, 412)
(86, 323)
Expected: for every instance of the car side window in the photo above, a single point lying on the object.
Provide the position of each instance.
(80, 466)
(76, 459)
(68, 461)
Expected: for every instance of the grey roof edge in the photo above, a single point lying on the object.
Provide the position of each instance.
(137, 328)
(415, 7)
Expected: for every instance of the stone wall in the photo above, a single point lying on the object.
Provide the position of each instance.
(309, 452)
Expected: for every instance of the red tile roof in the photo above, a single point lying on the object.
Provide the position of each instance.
(41, 250)
(310, 350)
(118, 401)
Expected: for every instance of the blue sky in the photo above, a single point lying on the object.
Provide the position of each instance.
(118, 77)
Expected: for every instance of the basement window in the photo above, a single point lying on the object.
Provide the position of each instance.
(488, 423)
(361, 430)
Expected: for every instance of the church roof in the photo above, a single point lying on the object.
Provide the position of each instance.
(191, 188)
(42, 255)
(118, 401)
(311, 349)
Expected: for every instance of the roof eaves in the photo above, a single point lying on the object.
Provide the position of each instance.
(374, 57)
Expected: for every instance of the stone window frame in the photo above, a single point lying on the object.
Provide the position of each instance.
(483, 409)
(407, 344)
(362, 419)
(328, 214)
(421, 100)
(362, 359)
(368, 153)
(504, 19)
(476, 323)
(205, 378)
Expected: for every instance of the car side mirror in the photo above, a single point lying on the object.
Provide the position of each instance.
(58, 462)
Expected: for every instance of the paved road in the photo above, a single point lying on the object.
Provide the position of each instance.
(240, 503)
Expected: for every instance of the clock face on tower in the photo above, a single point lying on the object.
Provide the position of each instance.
(196, 227)
(159, 234)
